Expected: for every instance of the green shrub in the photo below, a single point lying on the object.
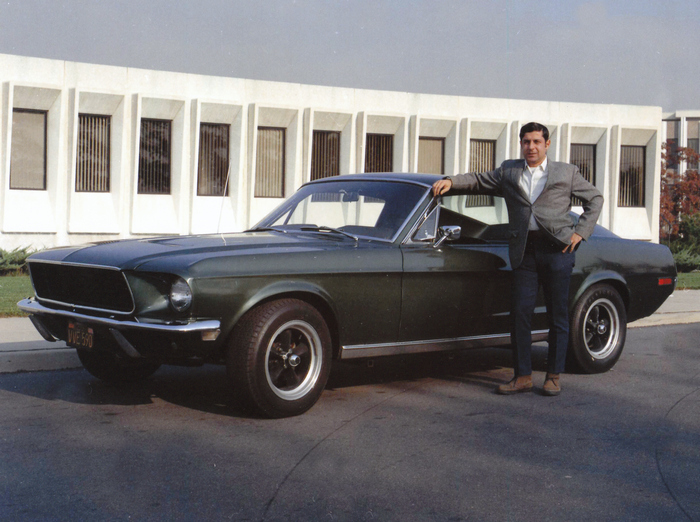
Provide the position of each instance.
(687, 259)
(689, 228)
(14, 261)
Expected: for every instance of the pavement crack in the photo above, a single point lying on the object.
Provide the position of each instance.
(324, 439)
(658, 460)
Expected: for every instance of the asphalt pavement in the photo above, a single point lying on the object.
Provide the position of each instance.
(408, 439)
(22, 349)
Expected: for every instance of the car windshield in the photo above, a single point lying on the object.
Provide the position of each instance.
(370, 209)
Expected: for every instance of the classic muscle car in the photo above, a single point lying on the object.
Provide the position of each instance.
(348, 267)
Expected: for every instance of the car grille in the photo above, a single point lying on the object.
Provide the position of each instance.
(83, 286)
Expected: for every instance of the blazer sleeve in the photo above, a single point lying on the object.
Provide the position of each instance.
(592, 203)
(479, 182)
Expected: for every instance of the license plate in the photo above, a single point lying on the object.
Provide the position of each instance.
(80, 336)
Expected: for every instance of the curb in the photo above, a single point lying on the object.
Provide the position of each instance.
(39, 360)
(661, 319)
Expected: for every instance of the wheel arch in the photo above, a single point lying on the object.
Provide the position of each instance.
(607, 277)
(303, 291)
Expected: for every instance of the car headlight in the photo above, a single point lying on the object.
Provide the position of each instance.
(180, 295)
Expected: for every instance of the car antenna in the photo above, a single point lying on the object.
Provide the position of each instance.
(223, 198)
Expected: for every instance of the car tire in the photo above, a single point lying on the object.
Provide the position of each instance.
(107, 367)
(279, 358)
(598, 330)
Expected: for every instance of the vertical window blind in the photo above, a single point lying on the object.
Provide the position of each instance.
(693, 140)
(632, 167)
(213, 169)
(154, 156)
(92, 161)
(431, 155)
(269, 171)
(672, 134)
(583, 156)
(325, 154)
(28, 154)
(379, 153)
(482, 158)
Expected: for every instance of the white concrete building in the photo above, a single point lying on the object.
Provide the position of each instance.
(90, 152)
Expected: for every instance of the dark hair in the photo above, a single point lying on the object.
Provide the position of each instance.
(533, 126)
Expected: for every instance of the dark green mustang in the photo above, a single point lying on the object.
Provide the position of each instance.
(349, 267)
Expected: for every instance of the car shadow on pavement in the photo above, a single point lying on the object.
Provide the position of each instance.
(484, 367)
(207, 389)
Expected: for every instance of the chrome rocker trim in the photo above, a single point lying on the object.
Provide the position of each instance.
(438, 345)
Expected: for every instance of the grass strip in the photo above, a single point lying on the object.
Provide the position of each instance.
(689, 281)
(12, 289)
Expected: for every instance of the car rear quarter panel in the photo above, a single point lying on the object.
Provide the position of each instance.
(633, 267)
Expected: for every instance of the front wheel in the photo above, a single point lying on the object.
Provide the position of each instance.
(279, 358)
(598, 329)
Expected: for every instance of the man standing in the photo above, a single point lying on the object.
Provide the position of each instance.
(543, 241)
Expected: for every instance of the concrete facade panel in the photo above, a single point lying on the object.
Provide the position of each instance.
(59, 215)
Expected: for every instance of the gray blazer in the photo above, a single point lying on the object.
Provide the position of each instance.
(551, 208)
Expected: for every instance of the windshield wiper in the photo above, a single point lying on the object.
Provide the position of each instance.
(323, 228)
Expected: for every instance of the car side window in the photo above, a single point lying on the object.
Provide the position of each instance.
(486, 223)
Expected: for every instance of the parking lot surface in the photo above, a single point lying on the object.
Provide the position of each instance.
(415, 438)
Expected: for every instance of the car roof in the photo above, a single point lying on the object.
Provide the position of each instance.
(422, 179)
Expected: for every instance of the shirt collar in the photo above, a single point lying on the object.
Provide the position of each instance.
(541, 167)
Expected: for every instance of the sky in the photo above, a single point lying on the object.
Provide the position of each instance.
(637, 52)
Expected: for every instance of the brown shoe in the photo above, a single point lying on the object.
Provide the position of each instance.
(517, 385)
(551, 385)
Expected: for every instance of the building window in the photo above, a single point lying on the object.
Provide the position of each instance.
(325, 154)
(583, 156)
(212, 174)
(693, 140)
(269, 171)
(154, 156)
(28, 155)
(672, 133)
(482, 158)
(380, 153)
(431, 155)
(632, 168)
(92, 163)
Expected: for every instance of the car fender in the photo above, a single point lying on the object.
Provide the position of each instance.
(603, 276)
(304, 290)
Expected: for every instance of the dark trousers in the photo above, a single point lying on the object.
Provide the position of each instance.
(543, 264)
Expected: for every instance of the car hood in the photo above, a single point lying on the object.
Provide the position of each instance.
(182, 253)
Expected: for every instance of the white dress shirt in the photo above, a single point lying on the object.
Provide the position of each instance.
(532, 182)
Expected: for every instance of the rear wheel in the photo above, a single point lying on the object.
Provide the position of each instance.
(107, 367)
(279, 358)
(598, 329)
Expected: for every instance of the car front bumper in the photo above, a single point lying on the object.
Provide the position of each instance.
(132, 338)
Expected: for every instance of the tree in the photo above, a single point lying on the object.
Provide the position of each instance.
(680, 193)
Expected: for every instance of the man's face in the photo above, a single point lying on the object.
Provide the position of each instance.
(534, 148)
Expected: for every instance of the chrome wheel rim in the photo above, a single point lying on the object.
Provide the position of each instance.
(601, 330)
(293, 360)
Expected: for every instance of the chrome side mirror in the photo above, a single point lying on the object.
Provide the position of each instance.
(450, 233)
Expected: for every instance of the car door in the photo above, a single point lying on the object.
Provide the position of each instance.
(461, 288)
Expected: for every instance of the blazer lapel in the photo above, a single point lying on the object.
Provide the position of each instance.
(516, 176)
(552, 174)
